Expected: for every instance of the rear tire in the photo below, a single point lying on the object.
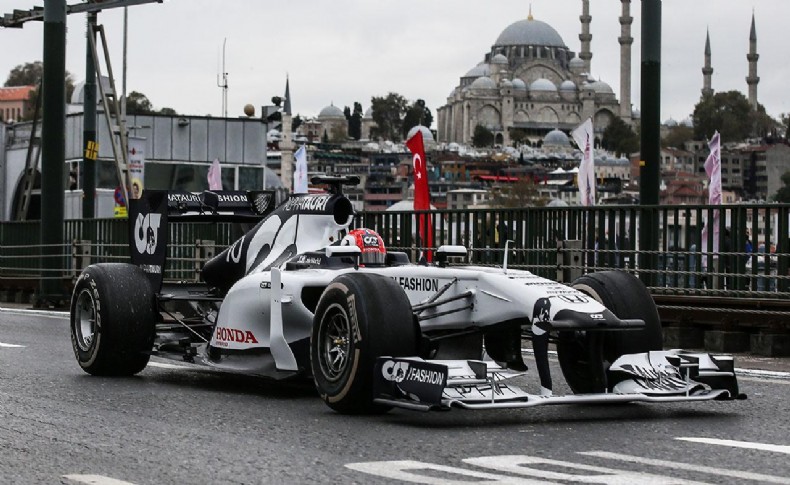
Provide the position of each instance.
(627, 297)
(113, 314)
(359, 318)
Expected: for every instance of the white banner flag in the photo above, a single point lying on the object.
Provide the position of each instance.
(215, 176)
(136, 166)
(583, 135)
(300, 173)
(713, 169)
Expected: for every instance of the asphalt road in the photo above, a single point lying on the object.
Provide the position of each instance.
(176, 424)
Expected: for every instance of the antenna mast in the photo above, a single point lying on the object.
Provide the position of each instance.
(224, 82)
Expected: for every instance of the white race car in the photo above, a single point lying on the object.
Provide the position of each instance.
(303, 294)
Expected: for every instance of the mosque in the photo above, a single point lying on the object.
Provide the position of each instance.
(532, 83)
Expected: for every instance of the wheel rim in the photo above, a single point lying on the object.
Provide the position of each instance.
(334, 337)
(85, 320)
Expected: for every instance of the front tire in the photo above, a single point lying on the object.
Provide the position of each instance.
(113, 314)
(628, 298)
(359, 318)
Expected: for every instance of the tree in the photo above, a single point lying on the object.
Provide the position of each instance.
(417, 114)
(678, 136)
(518, 135)
(786, 125)
(523, 193)
(388, 113)
(728, 112)
(30, 74)
(165, 111)
(620, 138)
(354, 121)
(296, 122)
(138, 104)
(783, 194)
(482, 137)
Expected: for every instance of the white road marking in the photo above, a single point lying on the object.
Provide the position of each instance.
(759, 477)
(740, 444)
(546, 469)
(763, 380)
(12, 346)
(40, 313)
(96, 480)
(762, 373)
(409, 471)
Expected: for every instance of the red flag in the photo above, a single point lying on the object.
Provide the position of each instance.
(422, 196)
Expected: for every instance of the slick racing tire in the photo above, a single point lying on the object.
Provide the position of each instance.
(360, 317)
(113, 314)
(627, 297)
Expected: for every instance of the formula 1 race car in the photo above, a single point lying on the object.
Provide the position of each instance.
(304, 294)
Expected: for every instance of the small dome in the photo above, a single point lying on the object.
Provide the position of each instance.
(636, 114)
(479, 70)
(530, 32)
(542, 84)
(427, 136)
(506, 84)
(671, 122)
(368, 114)
(568, 85)
(519, 83)
(483, 83)
(600, 87)
(576, 62)
(499, 59)
(688, 122)
(331, 111)
(556, 138)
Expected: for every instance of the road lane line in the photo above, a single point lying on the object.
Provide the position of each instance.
(40, 313)
(740, 444)
(12, 346)
(96, 480)
(759, 477)
(764, 380)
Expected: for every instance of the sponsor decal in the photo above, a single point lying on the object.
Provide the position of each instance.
(146, 232)
(596, 316)
(574, 297)
(151, 268)
(232, 198)
(394, 371)
(224, 334)
(190, 197)
(414, 380)
(417, 284)
(352, 316)
(266, 285)
(262, 202)
(310, 203)
(309, 259)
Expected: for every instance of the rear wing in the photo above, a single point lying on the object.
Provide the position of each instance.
(150, 214)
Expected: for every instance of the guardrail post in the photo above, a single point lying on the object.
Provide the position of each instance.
(80, 256)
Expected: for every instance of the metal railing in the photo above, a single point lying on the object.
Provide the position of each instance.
(557, 243)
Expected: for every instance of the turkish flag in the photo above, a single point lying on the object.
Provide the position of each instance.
(422, 196)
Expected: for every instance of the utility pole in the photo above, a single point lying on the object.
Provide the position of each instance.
(90, 145)
(224, 82)
(53, 146)
(649, 165)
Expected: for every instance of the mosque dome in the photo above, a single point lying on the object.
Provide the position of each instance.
(479, 70)
(368, 114)
(499, 59)
(600, 87)
(671, 122)
(556, 138)
(427, 136)
(505, 83)
(542, 84)
(331, 111)
(576, 62)
(519, 84)
(568, 85)
(483, 82)
(530, 32)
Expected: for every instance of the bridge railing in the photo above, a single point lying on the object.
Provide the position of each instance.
(555, 242)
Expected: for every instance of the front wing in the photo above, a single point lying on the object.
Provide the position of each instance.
(659, 376)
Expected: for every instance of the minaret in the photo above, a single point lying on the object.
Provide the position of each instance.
(752, 57)
(707, 71)
(287, 103)
(625, 40)
(585, 36)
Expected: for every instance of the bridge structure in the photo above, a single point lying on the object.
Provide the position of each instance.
(727, 289)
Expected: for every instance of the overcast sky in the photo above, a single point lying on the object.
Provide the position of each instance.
(342, 51)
